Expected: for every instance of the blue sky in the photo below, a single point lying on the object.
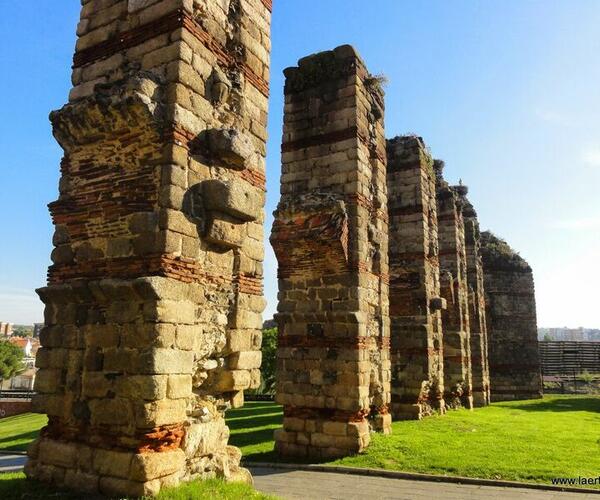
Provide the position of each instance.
(506, 92)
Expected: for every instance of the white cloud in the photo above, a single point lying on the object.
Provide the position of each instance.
(591, 156)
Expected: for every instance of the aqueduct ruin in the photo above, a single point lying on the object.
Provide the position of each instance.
(391, 302)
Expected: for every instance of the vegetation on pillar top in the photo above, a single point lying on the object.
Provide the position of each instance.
(322, 67)
(402, 150)
(497, 254)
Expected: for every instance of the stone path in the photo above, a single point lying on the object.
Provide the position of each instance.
(310, 485)
(12, 463)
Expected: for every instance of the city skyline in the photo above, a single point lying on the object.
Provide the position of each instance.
(504, 94)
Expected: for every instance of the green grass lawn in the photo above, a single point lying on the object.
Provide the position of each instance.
(17, 432)
(536, 440)
(15, 486)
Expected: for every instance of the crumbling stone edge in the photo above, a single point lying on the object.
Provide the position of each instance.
(414, 476)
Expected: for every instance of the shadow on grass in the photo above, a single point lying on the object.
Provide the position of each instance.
(16, 486)
(254, 422)
(251, 437)
(555, 405)
(25, 436)
(254, 409)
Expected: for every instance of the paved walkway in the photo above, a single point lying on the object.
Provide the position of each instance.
(310, 485)
(12, 463)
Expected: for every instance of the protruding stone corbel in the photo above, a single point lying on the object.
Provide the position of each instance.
(225, 231)
(438, 304)
(240, 200)
(232, 148)
(222, 208)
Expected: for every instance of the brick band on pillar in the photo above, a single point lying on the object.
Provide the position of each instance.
(415, 303)
(154, 298)
(458, 383)
(513, 352)
(330, 239)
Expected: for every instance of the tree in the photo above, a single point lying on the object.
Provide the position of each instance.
(11, 360)
(22, 331)
(269, 361)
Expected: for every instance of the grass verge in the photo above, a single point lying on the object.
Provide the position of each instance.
(534, 441)
(18, 431)
(15, 486)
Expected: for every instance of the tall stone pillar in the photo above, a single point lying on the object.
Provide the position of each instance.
(512, 323)
(330, 239)
(453, 271)
(477, 318)
(415, 303)
(154, 299)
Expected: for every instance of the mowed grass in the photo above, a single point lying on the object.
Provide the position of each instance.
(558, 436)
(252, 429)
(16, 486)
(522, 441)
(18, 431)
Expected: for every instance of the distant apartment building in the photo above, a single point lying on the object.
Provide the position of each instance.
(570, 334)
(37, 328)
(6, 329)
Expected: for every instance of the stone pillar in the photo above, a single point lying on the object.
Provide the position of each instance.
(330, 239)
(477, 319)
(154, 299)
(512, 324)
(453, 272)
(415, 303)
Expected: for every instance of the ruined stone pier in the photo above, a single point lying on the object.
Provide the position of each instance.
(477, 315)
(513, 353)
(453, 271)
(154, 298)
(415, 303)
(330, 237)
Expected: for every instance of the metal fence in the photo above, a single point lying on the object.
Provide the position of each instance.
(568, 358)
(16, 394)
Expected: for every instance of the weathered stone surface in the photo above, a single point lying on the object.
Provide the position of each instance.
(148, 466)
(234, 148)
(240, 200)
(458, 382)
(148, 289)
(477, 315)
(415, 302)
(204, 439)
(330, 239)
(112, 463)
(514, 362)
(226, 231)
